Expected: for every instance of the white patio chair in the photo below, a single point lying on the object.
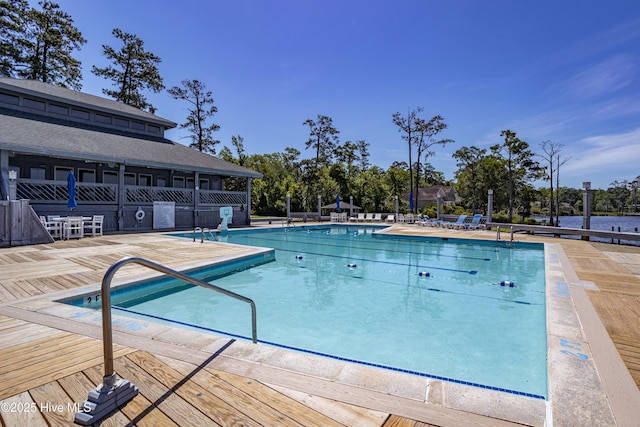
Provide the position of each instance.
(94, 225)
(74, 228)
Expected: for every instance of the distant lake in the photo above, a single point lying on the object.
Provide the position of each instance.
(627, 224)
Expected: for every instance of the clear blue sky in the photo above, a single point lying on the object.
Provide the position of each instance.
(565, 71)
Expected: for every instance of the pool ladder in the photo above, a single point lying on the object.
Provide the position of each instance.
(203, 231)
(498, 234)
(113, 392)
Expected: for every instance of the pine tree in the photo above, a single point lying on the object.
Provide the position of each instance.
(196, 93)
(133, 70)
(38, 44)
(13, 16)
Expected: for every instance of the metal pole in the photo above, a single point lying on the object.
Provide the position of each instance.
(397, 211)
(586, 207)
(351, 207)
(490, 206)
(288, 205)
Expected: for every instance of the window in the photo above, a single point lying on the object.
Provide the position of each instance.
(153, 129)
(109, 177)
(62, 172)
(58, 109)
(178, 182)
(34, 103)
(190, 183)
(9, 99)
(129, 178)
(204, 184)
(161, 182)
(37, 173)
(144, 180)
(80, 114)
(123, 123)
(86, 175)
(101, 118)
(137, 125)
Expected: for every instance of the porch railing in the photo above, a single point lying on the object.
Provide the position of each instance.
(55, 192)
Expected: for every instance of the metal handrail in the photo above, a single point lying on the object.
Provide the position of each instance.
(202, 234)
(110, 377)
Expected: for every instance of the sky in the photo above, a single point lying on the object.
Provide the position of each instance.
(563, 71)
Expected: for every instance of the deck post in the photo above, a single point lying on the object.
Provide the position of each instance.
(586, 208)
(288, 205)
(490, 205)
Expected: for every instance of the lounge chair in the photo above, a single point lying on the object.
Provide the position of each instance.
(401, 218)
(334, 216)
(391, 218)
(476, 223)
(359, 218)
(377, 217)
(409, 218)
(457, 224)
(426, 221)
(368, 217)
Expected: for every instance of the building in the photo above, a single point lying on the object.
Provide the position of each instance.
(429, 196)
(124, 166)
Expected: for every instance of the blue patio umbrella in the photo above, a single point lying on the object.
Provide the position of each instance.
(338, 202)
(411, 201)
(71, 189)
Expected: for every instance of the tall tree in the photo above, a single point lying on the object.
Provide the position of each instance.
(201, 110)
(468, 174)
(45, 52)
(238, 142)
(13, 19)
(550, 150)
(519, 164)
(407, 126)
(133, 70)
(426, 131)
(323, 137)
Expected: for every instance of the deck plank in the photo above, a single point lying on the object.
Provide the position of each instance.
(176, 408)
(54, 404)
(77, 386)
(208, 395)
(140, 410)
(23, 411)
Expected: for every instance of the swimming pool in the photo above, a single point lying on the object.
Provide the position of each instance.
(464, 311)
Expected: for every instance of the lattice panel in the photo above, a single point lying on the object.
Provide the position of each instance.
(151, 194)
(223, 198)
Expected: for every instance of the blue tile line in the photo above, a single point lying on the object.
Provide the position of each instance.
(345, 359)
(381, 262)
(262, 238)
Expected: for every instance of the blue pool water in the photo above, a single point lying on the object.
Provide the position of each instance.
(438, 308)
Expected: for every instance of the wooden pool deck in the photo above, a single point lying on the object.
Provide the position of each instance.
(48, 364)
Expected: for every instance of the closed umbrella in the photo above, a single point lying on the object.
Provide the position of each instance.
(71, 189)
(338, 202)
(411, 201)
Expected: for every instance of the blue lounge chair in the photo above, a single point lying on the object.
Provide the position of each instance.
(457, 224)
(472, 225)
(475, 223)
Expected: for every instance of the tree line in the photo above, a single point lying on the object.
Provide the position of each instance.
(39, 44)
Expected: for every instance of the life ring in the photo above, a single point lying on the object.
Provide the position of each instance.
(140, 214)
